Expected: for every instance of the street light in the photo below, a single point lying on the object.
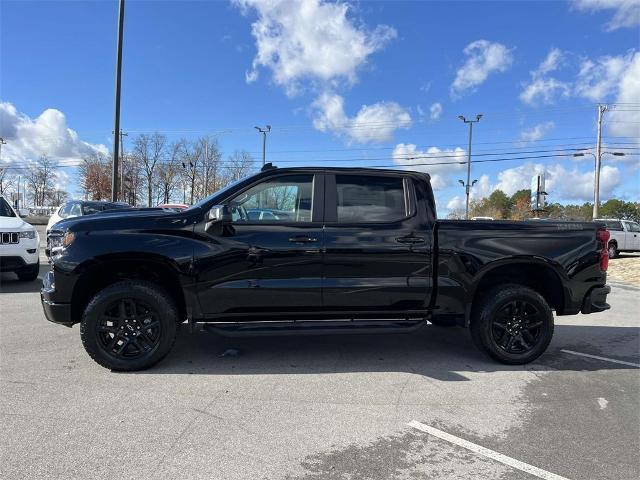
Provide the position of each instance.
(596, 178)
(264, 141)
(469, 184)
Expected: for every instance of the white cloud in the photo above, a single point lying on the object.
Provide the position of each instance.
(626, 121)
(627, 12)
(483, 59)
(537, 132)
(435, 111)
(411, 158)
(543, 88)
(372, 123)
(47, 134)
(599, 79)
(310, 40)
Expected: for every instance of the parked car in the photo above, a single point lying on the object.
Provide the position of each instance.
(19, 244)
(360, 249)
(625, 235)
(173, 206)
(77, 208)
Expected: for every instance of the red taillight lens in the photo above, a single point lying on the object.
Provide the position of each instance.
(604, 260)
(602, 235)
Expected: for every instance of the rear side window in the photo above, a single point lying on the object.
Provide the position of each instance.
(613, 225)
(362, 199)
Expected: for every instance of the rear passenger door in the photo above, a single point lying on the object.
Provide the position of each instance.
(377, 245)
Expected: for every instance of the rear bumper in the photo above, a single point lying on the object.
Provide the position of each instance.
(59, 313)
(596, 300)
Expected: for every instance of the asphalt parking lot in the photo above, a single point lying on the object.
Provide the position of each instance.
(323, 407)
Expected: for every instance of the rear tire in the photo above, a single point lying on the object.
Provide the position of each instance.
(513, 324)
(130, 325)
(613, 250)
(29, 273)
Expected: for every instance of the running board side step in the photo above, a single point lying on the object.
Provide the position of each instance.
(326, 327)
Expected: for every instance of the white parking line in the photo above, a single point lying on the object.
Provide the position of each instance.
(612, 360)
(512, 462)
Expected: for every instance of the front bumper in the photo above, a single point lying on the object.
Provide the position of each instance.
(19, 255)
(596, 300)
(59, 313)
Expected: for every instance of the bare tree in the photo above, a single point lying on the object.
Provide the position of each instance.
(239, 165)
(40, 177)
(148, 151)
(168, 173)
(212, 174)
(6, 179)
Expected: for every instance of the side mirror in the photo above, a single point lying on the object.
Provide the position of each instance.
(218, 216)
(219, 213)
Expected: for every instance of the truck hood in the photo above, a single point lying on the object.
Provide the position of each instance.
(125, 219)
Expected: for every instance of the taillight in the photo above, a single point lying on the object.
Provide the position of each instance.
(602, 236)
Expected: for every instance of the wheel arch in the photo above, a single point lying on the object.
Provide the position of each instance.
(99, 273)
(537, 274)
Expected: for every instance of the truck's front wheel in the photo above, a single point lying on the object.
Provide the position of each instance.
(130, 325)
(512, 324)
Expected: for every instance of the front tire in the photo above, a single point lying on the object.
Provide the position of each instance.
(29, 273)
(128, 326)
(512, 324)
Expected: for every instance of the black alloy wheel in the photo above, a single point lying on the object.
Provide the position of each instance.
(128, 329)
(129, 325)
(517, 327)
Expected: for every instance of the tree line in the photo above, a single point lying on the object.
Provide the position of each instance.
(158, 171)
(501, 206)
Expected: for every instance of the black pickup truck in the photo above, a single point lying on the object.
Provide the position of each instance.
(318, 250)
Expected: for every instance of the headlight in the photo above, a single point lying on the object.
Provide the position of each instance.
(31, 234)
(68, 239)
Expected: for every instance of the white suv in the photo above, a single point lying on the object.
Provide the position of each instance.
(19, 244)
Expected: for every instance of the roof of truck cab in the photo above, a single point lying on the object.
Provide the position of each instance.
(276, 169)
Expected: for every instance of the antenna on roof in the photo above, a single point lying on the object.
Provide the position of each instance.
(267, 166)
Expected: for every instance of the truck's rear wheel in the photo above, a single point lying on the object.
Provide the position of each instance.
(613, 250)
(130, 325)
(512, 324)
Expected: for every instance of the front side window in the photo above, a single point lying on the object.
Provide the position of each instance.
(75, 210)
(281, 199)
(362, 199)
(633, 227)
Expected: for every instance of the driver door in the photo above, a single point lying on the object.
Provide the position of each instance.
(272, 259)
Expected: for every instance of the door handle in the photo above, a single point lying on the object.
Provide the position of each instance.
(410, 239)
(303, 239)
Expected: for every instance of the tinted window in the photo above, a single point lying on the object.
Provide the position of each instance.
(91, 208)
(613, 225)
(370, 199)
(281, 199)
(5, 209)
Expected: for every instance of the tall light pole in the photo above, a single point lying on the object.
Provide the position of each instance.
(597, 157)
(596, 184)
(116, 123)
(264, 141)
(469, 184)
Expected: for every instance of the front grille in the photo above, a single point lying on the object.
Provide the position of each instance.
(9, 237)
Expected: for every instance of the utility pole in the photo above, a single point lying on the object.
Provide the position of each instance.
(596, 179)
(264, 142)
(116, 127)
(469, 184)
(18, 199)
(205, 187)
(121, 161)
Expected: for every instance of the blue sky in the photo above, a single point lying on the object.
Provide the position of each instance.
(359, 83)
